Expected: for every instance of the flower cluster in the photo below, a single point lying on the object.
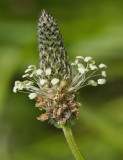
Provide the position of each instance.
(84, 72)
(38, 83)
(55, 83)
(54, 91)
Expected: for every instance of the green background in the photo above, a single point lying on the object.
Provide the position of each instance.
(89, 28)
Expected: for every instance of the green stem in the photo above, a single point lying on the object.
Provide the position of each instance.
(70, 140)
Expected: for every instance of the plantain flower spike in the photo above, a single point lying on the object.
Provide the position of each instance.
(55, 84)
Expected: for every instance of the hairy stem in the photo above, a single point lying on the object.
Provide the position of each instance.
(70, 140)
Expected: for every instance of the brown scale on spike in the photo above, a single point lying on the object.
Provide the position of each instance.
(61, 107)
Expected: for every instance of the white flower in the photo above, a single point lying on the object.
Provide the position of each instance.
(101, 81)
(54, 81)
(102, 65)
(80, 57)
(82, 75)
(92, 67)
(82, 70)
(104, 73)
(43, 81)
(39, 71)
(32, 95)
(48, 71)
(87, 59)
(92, 82)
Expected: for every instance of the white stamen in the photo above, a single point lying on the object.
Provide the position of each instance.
(20, 86)
(15, 89)
(31, 75)
(39, 71)
(80, 57)
(101, 81)
(48, 71)
(32, 95)
(25, 75)
(55, 81)
(17, 83)
(73, 64)
(102, 65)
(80, 65)
(92, 82)
(76, 61)
(42, 81)
(82, 70)
(28, 83)
(28, 70)
(32, 67)
(92, 67)
(104, 73)
(92, 62)
(87, 59)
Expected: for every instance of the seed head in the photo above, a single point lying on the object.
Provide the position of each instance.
(55, 84)
(52, 53)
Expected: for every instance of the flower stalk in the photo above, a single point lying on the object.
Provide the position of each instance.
(70, 140)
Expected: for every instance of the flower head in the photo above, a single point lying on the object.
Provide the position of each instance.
(55, 83)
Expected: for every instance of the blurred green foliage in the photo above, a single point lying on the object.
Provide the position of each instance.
(89, 28)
